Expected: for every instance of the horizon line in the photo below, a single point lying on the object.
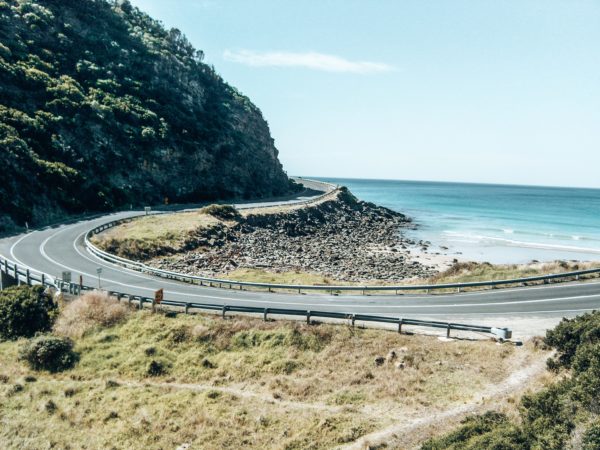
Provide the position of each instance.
(452, 182)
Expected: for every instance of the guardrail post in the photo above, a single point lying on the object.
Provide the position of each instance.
(28, 277)
(458, 290)
(400, 322)
(353, 319)
(187, 307)
(141, 302)
(576, 277)
(129, 300)
(448, 331)
(308, 317)
(43, 280)
(153, 305)
(224, 310)
(265, 314)
(17, 275)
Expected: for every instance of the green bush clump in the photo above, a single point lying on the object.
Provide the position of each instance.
(569, 334)
(224, 212)
(25, 311)
(156, 368)
(591, 438)
(489, 430)
(50, 353)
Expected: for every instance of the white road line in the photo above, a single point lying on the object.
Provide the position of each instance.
(278, 302)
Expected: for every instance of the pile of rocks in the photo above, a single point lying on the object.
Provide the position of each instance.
(343, 238)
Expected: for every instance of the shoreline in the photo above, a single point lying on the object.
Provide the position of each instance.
(341, 238)
(336, 240)
(490, 223)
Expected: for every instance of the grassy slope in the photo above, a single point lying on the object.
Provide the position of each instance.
(158, 230)
(239, 381)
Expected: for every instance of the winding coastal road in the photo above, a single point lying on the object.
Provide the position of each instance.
(527, 310)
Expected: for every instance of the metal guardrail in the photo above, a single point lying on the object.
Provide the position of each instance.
(23, 274)
(219, 282)
(32, 277)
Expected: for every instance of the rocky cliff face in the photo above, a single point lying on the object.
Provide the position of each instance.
(101, 107)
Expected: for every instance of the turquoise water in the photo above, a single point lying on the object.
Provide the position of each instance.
(495, 223)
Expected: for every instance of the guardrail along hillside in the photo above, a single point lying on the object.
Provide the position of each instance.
(32, 277)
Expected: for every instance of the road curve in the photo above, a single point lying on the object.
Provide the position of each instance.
(528, 310)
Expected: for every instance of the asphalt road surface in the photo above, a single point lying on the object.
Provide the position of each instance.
(527, 310)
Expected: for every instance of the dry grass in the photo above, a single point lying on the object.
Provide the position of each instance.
(239, 382)
(470, 271)
(168, 227)
(462, 272)
(92, 310)
(295, 277)
(154, 235)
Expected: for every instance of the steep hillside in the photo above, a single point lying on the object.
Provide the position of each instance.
(101, 107)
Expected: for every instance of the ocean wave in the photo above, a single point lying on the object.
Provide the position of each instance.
(553, 235)
(523, 244)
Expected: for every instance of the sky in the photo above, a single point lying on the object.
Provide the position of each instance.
(473, 91)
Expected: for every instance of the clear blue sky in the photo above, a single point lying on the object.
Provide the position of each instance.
(480, 91)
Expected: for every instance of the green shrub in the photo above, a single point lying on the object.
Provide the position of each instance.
(591, 438)
(50, 353)
(569, 334)
(586, 375)
(224, 212)
(491, 430)
(25, 311)
(156, 368)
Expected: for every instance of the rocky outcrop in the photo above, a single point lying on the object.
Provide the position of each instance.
(343, 238)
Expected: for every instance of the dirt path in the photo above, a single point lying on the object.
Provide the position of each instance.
(239, 391)
(408, 432)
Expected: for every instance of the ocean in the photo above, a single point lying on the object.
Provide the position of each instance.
(494, 223)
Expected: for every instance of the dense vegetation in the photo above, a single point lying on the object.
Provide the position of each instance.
(549, 418)
(51, 353)
(101, 107)
(25, 311)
